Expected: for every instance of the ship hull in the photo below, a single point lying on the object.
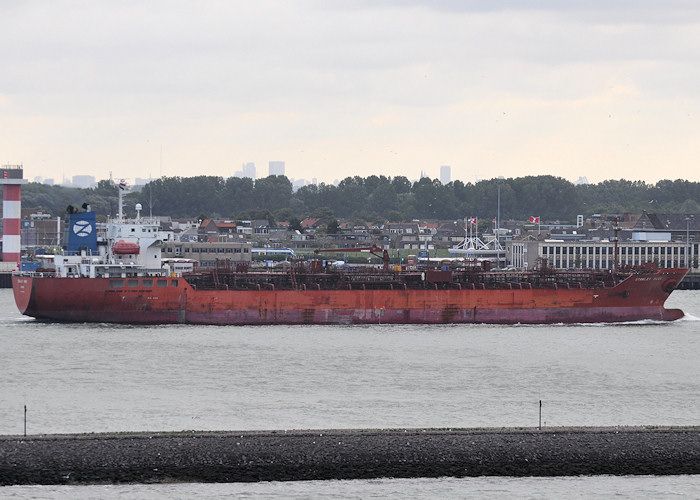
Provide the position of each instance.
(640, 297)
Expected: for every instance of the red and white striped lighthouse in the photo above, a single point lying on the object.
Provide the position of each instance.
(11, 180)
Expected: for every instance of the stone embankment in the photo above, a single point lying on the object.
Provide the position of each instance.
(346, 454)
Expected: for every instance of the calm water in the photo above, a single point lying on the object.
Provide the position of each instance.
(93, 378)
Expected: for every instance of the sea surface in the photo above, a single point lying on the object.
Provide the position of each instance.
(81, 378)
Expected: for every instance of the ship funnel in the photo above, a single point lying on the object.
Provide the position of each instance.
(82, 232)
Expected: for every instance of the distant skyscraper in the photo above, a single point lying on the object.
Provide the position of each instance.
(249, 170)
(445, 174)
(84, 181)
(276, 168)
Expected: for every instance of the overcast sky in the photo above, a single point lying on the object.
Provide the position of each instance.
(602, 89)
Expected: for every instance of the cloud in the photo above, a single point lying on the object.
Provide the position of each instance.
(235, 81)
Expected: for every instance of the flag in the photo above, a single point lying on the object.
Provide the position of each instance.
(471, 220)
(534, 220)
(122, 185)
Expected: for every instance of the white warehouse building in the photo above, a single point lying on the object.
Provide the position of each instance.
(600, 254)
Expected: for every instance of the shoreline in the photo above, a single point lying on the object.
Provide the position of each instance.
(296, 455)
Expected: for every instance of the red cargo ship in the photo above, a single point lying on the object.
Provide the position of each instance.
(243, 297)
(124, 281)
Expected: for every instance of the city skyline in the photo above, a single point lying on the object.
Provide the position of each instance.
(248, 170)
(601, 90)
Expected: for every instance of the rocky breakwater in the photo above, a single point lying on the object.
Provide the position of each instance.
(346, 454)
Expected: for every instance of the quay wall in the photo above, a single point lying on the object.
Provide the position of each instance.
(690, 282)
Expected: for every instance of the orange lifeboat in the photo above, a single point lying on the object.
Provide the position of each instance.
(122, 247)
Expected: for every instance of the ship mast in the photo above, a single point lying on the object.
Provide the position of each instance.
(616, 229)
(122, 188)
(121, 204)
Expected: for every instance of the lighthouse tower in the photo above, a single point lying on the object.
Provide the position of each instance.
(11, 181)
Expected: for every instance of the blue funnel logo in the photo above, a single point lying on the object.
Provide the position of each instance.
(82, 232)
(82, 228)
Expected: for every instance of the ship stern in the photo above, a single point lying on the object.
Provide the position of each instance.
(22, 287)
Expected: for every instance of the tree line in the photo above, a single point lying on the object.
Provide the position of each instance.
(373, 198)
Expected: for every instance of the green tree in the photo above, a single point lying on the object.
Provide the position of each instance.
(273, 192)
(238, 195)
(377, 197)
(332, 227)
(395, 216)
(284, 214)
(182, 197)
(352, 196)
(433, 200)
(545, 196)
(295, 225)
(383, 199)
(401, 185)
(323, 213)
(105, 187)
